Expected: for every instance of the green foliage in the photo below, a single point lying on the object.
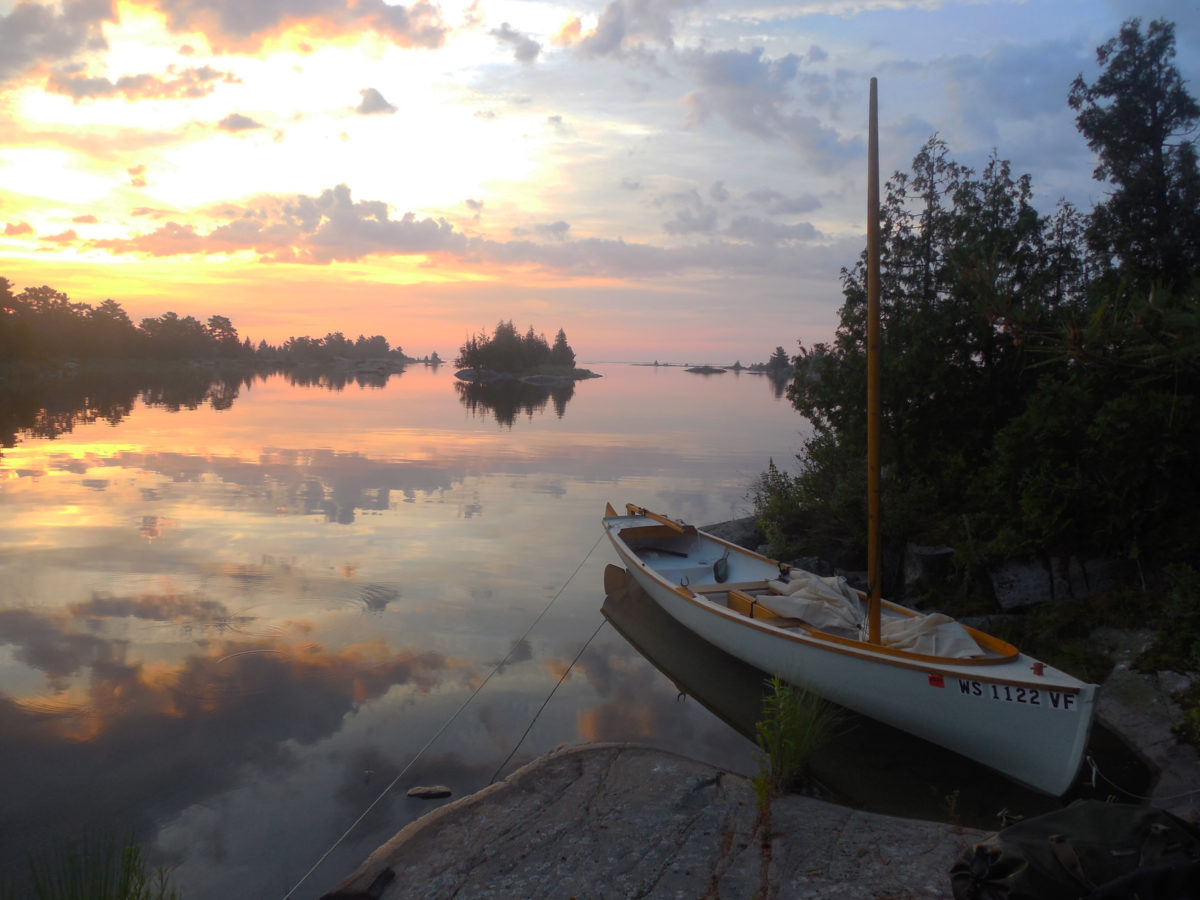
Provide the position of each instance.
(794, 725)
(507, 351)
(335, 345)
(1138, 118)
(92, 870)
(41, 325)
(778, 509)
(1040, 372)
(1061, 633)
(1177, 644)
(561, 353)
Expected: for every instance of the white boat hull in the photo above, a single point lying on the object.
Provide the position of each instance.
(1017, 716)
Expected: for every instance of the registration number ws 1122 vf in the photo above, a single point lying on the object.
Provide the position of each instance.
(1007, 693)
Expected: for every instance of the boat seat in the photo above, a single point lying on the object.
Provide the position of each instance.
(749, 604)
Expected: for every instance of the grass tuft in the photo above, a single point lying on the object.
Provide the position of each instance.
(794, 725)
(94, 870)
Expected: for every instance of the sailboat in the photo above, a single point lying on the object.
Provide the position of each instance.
(926, 674)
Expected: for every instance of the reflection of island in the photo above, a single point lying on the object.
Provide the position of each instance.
(49, 407)
(871, 765)
(505, 398)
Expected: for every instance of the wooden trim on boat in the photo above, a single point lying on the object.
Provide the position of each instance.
(832, 643)
(1004, 651)
(677, 527)
(729, 586)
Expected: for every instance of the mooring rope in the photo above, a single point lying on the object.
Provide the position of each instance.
(1096, 772)
(545, 702)
(496, 668)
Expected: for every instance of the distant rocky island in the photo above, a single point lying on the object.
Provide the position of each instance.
(549, 378)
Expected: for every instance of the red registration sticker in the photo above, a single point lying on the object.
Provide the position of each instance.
(937, 681)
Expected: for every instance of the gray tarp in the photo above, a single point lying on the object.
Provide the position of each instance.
(832, 603)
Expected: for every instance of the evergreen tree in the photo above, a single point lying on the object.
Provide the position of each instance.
(1139, 120)
(561, 353)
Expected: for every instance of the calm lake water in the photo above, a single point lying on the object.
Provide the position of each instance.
(231, 616)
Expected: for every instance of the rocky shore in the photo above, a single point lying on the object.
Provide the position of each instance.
(618, 820)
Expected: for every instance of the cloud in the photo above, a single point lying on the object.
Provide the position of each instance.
(569, 34)
(239, 25)
(555, 231)
(190, 609)
(764, 231)
(17, 229)
(775, 203)
(231, 703)
(137, 177)
(64, 237)
(689, 221)
(1014, 81)
(693, 216)
(35, 35)
(45, 645)
(373, 103)
(625, 26)
(525, 49)
(752, 93)
(88, 219)
(188, 83)
(558, 124)
(235, 122)
(333, 227)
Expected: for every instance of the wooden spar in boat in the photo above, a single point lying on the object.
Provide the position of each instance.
(677, 527)
(874, 406)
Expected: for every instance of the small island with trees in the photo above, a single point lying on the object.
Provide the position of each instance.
(508, 355)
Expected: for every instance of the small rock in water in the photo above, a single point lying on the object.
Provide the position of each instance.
(429, 792)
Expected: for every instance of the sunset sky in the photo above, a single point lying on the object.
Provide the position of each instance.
(670, 179)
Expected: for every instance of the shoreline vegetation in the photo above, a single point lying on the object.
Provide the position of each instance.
(43, 333)
(1041, 392)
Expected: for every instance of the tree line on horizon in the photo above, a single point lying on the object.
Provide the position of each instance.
(41, 324)
(1041, 388)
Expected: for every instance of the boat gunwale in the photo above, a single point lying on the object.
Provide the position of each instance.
(834, 643)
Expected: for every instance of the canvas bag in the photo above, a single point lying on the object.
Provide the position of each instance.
(1090, 849)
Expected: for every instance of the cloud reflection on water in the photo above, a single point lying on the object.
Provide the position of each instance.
(225, 628)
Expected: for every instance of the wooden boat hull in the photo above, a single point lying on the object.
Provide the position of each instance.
(1011, 713)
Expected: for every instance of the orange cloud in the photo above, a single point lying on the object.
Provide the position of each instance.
(570, 33)
(247, 27)
(63, 237)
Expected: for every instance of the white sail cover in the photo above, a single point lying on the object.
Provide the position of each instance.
(831, 603)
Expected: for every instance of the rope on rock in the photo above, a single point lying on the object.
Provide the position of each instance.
(429, 743)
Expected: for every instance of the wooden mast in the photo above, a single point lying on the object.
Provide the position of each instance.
(874, 414)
